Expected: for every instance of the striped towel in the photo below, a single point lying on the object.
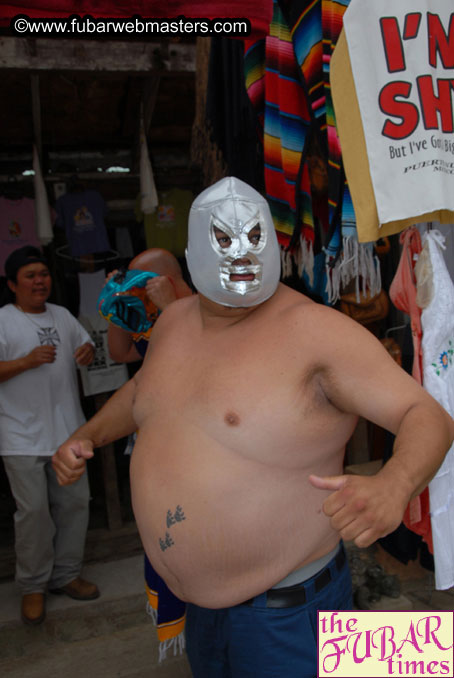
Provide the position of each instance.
(167, 611)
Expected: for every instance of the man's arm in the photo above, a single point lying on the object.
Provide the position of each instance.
(121, 345)
(113, 421)
(38, 356)
(361, 378)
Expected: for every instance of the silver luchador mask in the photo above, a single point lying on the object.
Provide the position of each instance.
(233, 254)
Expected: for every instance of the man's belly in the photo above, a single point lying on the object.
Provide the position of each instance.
(220, 527)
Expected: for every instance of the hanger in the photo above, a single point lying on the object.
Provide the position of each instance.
(75, 184)
(110, 255)
(396, 328)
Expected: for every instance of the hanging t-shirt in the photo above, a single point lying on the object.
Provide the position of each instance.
(17, 227)
(167, 227)
(82, 214)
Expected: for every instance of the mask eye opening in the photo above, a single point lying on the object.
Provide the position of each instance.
(255, 234)
(222, 239)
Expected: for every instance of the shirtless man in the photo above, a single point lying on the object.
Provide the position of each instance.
(244, 406)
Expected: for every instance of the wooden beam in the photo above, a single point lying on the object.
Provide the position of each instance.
(108, 56)
(36, 113)
(149, 98)
(110, 481)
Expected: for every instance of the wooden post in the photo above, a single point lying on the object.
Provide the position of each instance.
(36, 113)
(110, 477)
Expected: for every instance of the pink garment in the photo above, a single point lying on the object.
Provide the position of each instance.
(17, 227)
(402, 293)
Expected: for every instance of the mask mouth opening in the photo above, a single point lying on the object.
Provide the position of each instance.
(244, 274)
(243, 269)
(241, 277)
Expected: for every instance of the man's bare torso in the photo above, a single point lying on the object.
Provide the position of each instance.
(232, 419)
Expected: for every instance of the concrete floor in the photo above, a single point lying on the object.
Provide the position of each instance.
(417, 586)
(113, 637)
(105, 638)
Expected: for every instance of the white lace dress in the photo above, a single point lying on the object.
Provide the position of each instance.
(437, 322)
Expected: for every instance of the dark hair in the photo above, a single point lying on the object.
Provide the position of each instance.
(22, 257)
(6, 295)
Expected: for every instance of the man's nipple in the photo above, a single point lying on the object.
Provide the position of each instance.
(232, 419)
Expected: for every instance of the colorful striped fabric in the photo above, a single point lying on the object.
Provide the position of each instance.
(287, 79)
(167, 611)
(271, 71)
(332, 26)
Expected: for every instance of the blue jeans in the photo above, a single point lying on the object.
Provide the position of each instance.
(253, 641)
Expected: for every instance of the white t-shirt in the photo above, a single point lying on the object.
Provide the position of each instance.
(40, 407)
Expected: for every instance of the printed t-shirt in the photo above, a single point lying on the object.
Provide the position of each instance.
(17, 227)
(82, 214)
(167, 227)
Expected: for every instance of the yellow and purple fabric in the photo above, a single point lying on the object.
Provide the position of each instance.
(167, 611)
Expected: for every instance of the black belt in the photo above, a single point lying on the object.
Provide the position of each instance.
(291, 596)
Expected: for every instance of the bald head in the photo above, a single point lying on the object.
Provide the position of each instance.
(157, 260)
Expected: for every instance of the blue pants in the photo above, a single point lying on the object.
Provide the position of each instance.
(255, 641)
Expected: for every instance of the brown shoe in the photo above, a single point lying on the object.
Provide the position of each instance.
(79, 589)
(33, 608)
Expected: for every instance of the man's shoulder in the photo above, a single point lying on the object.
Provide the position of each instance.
(177, 312)
(290, 302)
(7, 309)
(6, 317)
(312, 318)
(179, 306)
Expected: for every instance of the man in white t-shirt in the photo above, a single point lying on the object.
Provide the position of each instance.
(40, 346)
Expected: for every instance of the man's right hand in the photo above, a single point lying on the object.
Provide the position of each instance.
(161, 291)
(69, 460)
(41, 355)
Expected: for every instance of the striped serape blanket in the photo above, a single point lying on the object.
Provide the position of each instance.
(287, 80)
(167, 611)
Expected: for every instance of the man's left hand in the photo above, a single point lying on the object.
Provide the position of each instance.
(362, 508)
(84, 354)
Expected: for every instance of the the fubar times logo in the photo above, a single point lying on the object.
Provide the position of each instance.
(368, 643)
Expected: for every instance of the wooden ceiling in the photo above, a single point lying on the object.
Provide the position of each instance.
(80, 102)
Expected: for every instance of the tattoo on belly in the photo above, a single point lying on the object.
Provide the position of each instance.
(171, 519)
(166, 543)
